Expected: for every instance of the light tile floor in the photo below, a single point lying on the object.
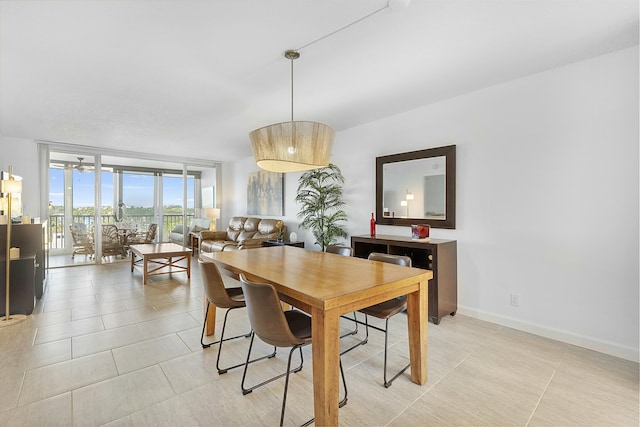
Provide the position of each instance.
(102, 349)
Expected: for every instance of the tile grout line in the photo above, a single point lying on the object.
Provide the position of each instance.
(546, 387)
(434, 384)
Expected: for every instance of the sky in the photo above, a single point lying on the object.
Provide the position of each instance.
(137, 189)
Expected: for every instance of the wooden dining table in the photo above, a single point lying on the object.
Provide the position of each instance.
(326, 286)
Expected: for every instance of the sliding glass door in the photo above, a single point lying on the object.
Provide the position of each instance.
(71, 205)
(134, 191)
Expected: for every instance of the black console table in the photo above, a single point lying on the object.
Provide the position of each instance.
(31, 239)
(440, 256)
(22, 290)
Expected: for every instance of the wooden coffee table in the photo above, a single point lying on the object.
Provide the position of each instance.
(164, 258)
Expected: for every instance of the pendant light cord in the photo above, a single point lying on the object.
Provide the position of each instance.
(342, 28)
(294, 54)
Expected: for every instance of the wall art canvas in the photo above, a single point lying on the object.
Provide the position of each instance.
(265, 194)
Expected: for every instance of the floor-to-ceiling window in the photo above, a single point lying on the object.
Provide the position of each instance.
(175, 209)
(133, 190)
(138, 201)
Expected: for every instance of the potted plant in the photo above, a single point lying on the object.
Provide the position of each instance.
(320, 195)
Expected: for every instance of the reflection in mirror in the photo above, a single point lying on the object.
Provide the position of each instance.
(405, 196)
(417, 187)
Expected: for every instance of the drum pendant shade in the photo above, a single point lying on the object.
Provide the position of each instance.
(294, 145)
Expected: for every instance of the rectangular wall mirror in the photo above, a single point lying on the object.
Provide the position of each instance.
(418, 187)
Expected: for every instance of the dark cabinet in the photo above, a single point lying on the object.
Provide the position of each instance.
(31, 239)
(22, 288)
(437, 255)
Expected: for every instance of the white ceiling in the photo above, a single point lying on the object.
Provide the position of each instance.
(194, 77)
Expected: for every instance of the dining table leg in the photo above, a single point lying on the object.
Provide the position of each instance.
(211, 317)
(417, 323)
(325, 330)
(145, 271)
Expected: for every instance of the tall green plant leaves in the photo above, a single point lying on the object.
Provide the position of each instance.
(320, 198)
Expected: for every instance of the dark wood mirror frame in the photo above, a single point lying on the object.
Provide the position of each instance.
(449, 152)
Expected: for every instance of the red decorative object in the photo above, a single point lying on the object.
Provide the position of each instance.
(420, 231)
(372, 226)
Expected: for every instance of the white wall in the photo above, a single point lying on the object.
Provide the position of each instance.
(547, 203)
(22, 154)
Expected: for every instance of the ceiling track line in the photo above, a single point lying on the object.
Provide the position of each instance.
(343, 28)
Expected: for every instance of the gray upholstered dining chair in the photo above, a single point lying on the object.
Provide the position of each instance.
(384, 310)
(230, 298)
(340, 250)
(291, 328)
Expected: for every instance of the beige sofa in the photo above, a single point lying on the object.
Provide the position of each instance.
(242, 233)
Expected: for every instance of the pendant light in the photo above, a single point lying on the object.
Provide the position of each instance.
(294, 145)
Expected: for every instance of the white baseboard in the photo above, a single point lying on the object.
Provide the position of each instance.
(613, 349)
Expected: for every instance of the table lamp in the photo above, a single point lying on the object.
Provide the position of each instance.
(405, 204)
(212, 214)
(9, 185)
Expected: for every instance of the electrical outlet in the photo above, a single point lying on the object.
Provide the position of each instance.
(515, 300)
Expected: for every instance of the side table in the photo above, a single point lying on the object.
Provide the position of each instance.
(282, 243)
(194, 242)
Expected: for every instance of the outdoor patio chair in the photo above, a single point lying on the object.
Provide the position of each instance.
(82, 239)
(111, 242)
(147, 236)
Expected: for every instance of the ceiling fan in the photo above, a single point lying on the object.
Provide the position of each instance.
(80, 167)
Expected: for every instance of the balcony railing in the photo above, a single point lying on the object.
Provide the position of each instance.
(57, 228)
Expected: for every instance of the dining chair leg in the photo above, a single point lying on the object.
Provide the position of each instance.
(387, 384)
(286, 380)
(222, 339)
(204, 325)
(341, 403)
(355, 330)
(246, 391)
(366, 337)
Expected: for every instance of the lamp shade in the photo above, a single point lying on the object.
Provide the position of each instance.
(292, 146)
(10, 186)
(212, 213)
